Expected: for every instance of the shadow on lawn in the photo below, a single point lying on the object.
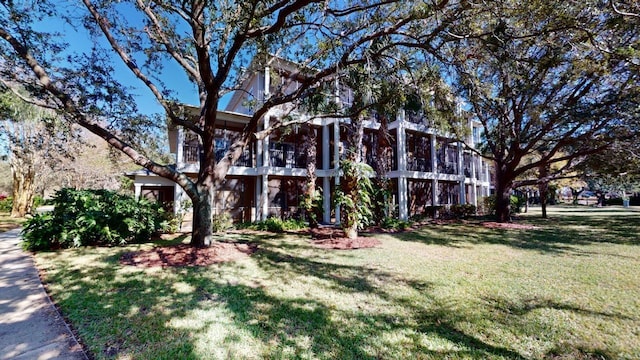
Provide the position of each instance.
(556, 235)
(527, 305)
(305, 326)
(123, 315)
(129, 313)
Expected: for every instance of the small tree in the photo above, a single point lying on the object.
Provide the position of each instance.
(34, 144)
(354, 197)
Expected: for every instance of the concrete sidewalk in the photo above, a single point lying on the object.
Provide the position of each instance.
(30, 326)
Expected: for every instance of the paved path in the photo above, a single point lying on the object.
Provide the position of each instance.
(30, 326)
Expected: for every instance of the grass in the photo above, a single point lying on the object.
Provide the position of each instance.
(8, 223)
(567, 290)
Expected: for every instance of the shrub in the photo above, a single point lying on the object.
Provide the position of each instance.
(37, 201)
(463, 211)
(276, 224)
(93, 217)
(6, 204)
(516, 203)
(222, 222)
(393, 223)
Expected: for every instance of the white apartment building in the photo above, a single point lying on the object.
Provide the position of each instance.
(427, 169)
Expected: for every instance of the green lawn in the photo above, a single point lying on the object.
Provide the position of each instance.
(568, 290)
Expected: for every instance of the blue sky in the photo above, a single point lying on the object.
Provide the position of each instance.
(174, 77)
(79, 41)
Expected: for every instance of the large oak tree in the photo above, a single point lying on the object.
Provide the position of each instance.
(210, 43)
(550, 81)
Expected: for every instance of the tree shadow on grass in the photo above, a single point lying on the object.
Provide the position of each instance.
(527, 305)
(555, 235)
(118, 315)
(517, 311)
(302, 327)
(129, 312)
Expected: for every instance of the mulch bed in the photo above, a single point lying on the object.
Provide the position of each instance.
(187, 255)
(333, 238)
(326, 237)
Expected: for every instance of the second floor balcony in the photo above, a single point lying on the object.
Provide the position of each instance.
(287, 158)
(280, 155)
(191, 155)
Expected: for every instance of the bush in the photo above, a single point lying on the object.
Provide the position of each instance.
(276, 224)
(93, 217)
(462, 211)
(393, 223)
(6, 204)
(516, 203)
(222, 222)
(37, 202)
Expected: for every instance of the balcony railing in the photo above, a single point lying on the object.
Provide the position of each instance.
(246, 159)
(191, 155)
(419, 164)
(447, 167)
(289, 159)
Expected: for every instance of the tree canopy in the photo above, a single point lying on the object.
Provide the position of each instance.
(552, 82)
(212, 45)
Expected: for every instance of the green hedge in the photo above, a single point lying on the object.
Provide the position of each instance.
(93, 217)
(275, 224)
(463, 211)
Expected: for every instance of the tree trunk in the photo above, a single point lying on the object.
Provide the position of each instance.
(543, 188)
(503, 195)
(503, 205)
(23, 187)
(544, 193)
(349, 182)
(202, 230)
(351, 232)
(310, 145)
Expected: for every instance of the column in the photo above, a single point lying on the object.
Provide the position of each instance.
(267, 82)
(326, 200)
(474, 181)
(179, 147)
(336, 158)
(463, 192)
(138, 190)
(264, 178)
(401, 142)
(265, 142)
(434, 167)
(326, 184)
(265, 197)
(177, 199)
(257, 212)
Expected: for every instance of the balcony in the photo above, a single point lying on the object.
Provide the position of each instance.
(191, 155)
(289, 159)
(419, 164)
(447, 167)
(372, 160)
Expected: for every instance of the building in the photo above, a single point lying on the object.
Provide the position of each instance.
(427, 169)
